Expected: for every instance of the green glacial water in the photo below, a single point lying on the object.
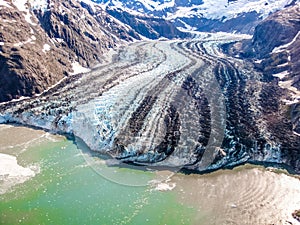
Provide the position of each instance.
(67, 191)
(71, 186)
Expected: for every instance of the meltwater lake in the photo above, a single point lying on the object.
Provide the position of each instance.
(48, 179)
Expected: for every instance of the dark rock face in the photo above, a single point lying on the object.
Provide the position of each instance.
(25, 69)
(277, 30)
(36, 55)
(244, 23)
(150, 27)
(86, 33)
(296, 215)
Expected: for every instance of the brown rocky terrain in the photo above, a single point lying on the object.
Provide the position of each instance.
(38, 46)
(277, 43)
(150, 27)
(275, 49)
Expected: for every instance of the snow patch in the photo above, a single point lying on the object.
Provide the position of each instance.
(281, 75)
(58, 40)
(77, 68)
(285, 46)
(187, 28)
(23, 6)
(294, 92)
(294, 101)
(9, 21)
(283, 65)
(5, 3)
(221, 8)
(1, 43)
(117, 3)
(158, 6)
(30, 40)
(46, 48)
(39, 5)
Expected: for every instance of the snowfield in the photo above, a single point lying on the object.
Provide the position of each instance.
(209, 9)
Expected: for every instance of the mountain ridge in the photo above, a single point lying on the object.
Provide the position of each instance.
(220, 15)
(41, 44)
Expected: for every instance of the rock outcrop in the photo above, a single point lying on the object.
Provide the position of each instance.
(29, 61)
(150, 27)
(277, 30)
(38, 45)
(296, 215)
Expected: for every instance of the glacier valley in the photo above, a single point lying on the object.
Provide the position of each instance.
(175, 103)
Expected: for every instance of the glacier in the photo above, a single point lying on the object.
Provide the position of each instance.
(178, 103)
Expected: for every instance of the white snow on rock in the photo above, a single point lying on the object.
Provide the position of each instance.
(30, 40)
(11, 173)
(9, 21)
(39, 4)
(285, 46)
(77, 68)
(22, 5)
(295, 93)
(56, 40)
(46, 48)
(211, 9)
(1, 43)
(117, 3)
(90, 3)
(221, 8)
(5, 3)
(28, 19)
(153, 5)
(281, 75)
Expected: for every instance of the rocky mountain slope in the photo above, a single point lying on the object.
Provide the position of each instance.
(274, 49)
(278, 56)
(281, 57)
(42, 42)
(150, 27)
(203, 15)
